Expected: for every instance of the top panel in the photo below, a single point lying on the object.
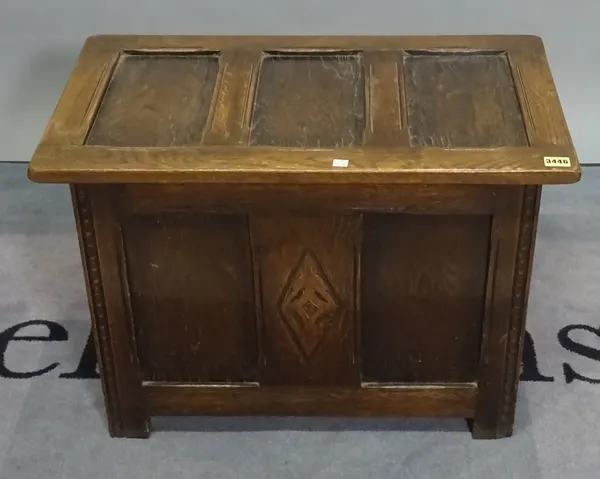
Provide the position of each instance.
(156, 100)
(462, 100)
(256, 109)
(309, 100)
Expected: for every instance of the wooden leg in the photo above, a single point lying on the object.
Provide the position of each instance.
(119, 371)
(502, 424)
(481, 432)
(513, 234)
(494, 419)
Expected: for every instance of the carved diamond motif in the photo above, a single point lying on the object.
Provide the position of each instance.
(307, 303)
(310, 309)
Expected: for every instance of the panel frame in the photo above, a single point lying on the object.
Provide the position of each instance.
(386, 119)
(97, 219)
(252, 165)
(237, 80)
(284, 198)
(512, 242)
(440, 400)
(317, 42)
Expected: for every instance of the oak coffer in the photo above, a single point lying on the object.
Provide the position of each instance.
(308, 225)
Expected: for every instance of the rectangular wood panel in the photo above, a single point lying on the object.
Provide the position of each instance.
(190, 278)
(423, 289)
(446, 199)
(309, 100)
(272, 166)
(462, 100)
(305, 277)
(156, 100)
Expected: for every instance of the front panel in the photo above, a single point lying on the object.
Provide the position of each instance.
(305, 270)
(340, 298)
(192, 298)
(422, 297)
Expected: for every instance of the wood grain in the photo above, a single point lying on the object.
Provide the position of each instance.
(526, 248)
(156, 100)
(423, 287)
(290, 199)
(130, 415)
(544, 117)
(86, 233)
(497, 315)
(302, 166)
(462, 101)
(190, 278)
(305, 268)
(79, 100)
(194, 43)
(314, 100)
(386, 108)
(424, 400)
(232, 103)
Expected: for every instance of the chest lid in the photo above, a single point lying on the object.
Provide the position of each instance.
(474, 109)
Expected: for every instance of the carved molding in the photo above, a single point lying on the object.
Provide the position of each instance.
(308, 303)
(89, 250)
(517, 319)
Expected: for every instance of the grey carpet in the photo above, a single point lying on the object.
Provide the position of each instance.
(53, 427)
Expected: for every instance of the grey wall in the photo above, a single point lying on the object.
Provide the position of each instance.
(41, 39)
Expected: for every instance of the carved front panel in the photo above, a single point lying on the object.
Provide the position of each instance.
(308, 304)
(305, 285)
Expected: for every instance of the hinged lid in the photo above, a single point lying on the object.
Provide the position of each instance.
(476, 109)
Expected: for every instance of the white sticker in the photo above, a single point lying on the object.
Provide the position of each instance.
(340, 163)
(560, 161)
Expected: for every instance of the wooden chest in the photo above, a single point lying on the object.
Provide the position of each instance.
(308, 225)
